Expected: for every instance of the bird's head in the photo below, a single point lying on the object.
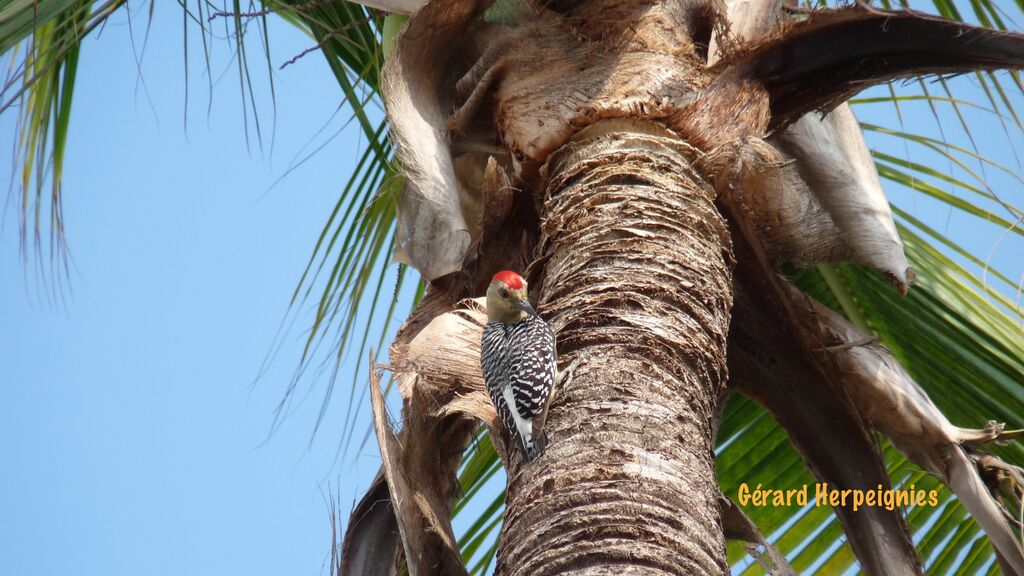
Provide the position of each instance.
(506, 298)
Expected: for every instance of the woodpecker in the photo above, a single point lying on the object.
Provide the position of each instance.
(518, 359)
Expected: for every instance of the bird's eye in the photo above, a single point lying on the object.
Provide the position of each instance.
(503, 292)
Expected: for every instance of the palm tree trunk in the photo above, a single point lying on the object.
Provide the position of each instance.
(638, 284)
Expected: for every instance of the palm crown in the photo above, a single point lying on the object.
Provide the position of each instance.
(956, 332)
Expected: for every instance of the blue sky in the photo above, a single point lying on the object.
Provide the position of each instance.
(130, 425)
(131, 430)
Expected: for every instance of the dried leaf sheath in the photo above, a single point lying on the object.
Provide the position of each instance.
(824, 60)
(835, 163)
(432, 234)
(435, 360)
(830, 149)
(372, 542)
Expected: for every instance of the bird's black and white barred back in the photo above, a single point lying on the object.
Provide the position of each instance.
(519, 362)
(518, 358)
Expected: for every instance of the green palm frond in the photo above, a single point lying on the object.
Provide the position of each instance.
(41, 41)
(346, 277)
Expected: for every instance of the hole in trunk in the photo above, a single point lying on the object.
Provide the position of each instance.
(703, 25)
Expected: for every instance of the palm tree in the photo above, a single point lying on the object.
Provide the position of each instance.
(661, 173)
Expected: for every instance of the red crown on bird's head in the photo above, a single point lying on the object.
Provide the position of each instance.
(510, 278)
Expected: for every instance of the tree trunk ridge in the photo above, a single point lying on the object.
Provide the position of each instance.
(638, 284)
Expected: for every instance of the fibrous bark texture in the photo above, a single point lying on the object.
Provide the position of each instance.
(637, 285)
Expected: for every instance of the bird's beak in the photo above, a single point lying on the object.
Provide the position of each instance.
(525, 306)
